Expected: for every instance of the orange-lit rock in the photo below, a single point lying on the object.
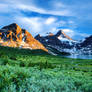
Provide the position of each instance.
(66, 36)
(13, 36)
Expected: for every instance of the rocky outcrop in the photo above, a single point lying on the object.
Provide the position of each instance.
(87, 42)
(85, 47)
(60, 33)
(59, 41)
(13, 36)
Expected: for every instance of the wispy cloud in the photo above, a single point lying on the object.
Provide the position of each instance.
(42, 25)
(33, 8)
(56, 8)
(11, 11)
(50, 20)
(69, 32)
(37, 25)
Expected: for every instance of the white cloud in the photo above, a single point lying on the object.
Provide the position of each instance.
(39, 24)
(69, 32)
(19, 5)
(50, 20)
(71, 22)
(4, 8)
(74, 34)
(59, 5)
(58, 8)
(63, 12)
(33, 24)
(61, 23)
(30, 8)
(84, 34)
(36, 25)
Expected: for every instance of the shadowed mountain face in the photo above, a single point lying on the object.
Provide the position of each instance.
(59, 39)
(13, 36)
(87, 42)
(86, 45)
(60, 33)
(56, 42)
(63, 43)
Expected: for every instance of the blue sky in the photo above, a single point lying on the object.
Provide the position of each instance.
(74, 17)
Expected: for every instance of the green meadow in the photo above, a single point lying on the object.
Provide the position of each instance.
(24, 70)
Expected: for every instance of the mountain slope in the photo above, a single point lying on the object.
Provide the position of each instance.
(61, 34)
(13, 36)
(85, 47)
(60, 41)
(87, 42)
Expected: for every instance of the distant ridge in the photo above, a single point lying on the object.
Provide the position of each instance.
(60, 42)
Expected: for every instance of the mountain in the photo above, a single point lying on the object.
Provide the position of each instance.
(60, 42)
(86, 46)
(61, 35)
(87, 42)
(13, 36)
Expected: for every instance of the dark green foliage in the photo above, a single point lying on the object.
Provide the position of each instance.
(23, 70)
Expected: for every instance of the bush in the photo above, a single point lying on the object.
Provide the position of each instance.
(18, 79)
(23, 70)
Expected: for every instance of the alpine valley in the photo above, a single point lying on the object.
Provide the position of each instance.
(59, 43)
(28, 64)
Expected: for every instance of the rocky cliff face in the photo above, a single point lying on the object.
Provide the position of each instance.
(85, 47)
(13, 36)
(87, 42)
(61, 34)
(63, 43)
(59, 41)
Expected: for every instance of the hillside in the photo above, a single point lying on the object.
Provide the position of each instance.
(24, 70)
(13, 36)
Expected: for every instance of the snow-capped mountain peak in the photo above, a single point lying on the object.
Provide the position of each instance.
(60, 34)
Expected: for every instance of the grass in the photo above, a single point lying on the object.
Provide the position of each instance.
(24, 70)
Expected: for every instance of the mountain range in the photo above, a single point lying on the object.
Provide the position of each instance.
(60, 42)
(14, 36)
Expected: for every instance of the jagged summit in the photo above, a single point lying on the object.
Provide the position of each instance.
(63, 43)
(38, 35)
(11, 32)
(50, 34)
(13, 25)
(13, 36)
(59, 41)
(61, 34)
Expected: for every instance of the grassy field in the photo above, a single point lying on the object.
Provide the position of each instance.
(23, 70)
